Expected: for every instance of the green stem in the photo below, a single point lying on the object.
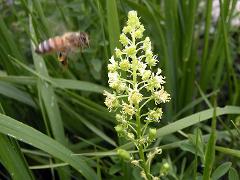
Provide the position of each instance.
(138, 116)
(140, 147)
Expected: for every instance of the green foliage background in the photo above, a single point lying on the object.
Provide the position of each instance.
(53, 122)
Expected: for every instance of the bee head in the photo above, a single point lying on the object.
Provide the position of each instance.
(83, 39)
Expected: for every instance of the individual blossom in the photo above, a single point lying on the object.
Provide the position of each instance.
(123, 39)
(135, 97)
(139, 32)
(130, 50)
(146, 75)
(124, 65)
(165, 168)
(118, 52)
(124, 154)
(161, 96)
(115, 82)
(113, 66)
(133, 20)
(119, 128)
(147, 44)
(135, 162)
(152, 133)
(155, 115)
(151, 60)
(128, 109)
(111, 100)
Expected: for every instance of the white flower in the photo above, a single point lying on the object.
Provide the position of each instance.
(115, 82)
(135, 97)
(124, 65)
(159, 71)
(141, 67)
(151, 61)
(113, 66)
(146, 75)
(128, 109)
(118, 52)
(147, 44)
(155, 115)
(161, 96)
(113, 79)
(157, 81)
(111, 100)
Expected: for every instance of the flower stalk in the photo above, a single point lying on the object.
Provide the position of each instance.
(135, 86)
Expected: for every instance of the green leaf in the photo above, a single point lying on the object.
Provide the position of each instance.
(210, 152)
(78, 85)
(196, 118)
(233, 174)
(232, 152)
(57, 82)
(191, 120)
(11, 91)
(46, 94)
(39, 140)
(221, 170)
(113, 24)
(12, 158)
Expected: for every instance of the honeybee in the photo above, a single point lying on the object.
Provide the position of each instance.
(69, 41)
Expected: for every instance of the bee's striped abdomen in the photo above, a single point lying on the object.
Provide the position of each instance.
(52, 44)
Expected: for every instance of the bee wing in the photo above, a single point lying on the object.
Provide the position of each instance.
(62, 57)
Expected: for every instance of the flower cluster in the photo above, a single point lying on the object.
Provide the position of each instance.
(135, 85)
(131, 77)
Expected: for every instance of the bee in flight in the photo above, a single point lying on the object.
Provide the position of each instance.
(69, 41)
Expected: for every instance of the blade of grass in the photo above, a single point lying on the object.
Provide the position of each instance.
(90, 105)
(113, 24)
(46, 92)
(191, 120)
(56, 82)
(210, 151)
(229, 151)
(31, 136)
(169, 64)
(231, 74)
(88, 124)
(23, 80)
(11, 91)
(12, 158)
(206, 32)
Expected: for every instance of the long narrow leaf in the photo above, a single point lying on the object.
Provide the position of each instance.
(39, 140)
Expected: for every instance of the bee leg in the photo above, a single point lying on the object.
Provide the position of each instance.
(62, 57)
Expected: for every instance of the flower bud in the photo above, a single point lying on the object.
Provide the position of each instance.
(128, 109)
(119, 129)
(147, 44)
(130, 136)
(131, 50)
(152, 133)
(165, 168)
(133, 20)
(124, 65)
(139, 33)
(124, 154)
(135, 97)
(151, 61)
(118, 52)
(146, 75)
(126, 29)
(111, 100)
(123, 39)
